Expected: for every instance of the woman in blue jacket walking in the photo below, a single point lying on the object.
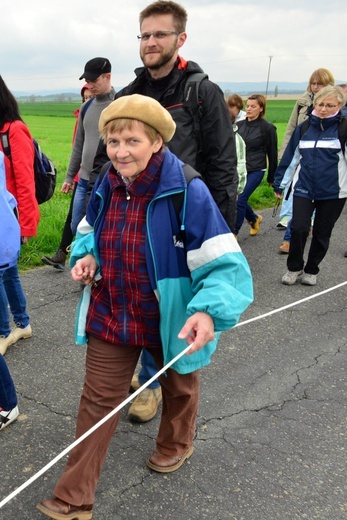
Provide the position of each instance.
(321, 184)
(157, 278)
(9, 253)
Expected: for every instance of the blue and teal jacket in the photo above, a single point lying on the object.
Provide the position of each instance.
(205, 272)
(317, 161)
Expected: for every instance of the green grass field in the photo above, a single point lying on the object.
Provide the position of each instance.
(52, 125)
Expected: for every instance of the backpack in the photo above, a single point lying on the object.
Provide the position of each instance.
(9, 225)
(191, 98)
(44, 170)
(342, 130)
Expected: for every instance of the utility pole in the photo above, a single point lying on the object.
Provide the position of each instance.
(268, 75)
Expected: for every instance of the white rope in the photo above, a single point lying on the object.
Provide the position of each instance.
(285, 307)
(131, 397)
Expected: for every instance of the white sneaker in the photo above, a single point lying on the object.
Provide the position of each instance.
(6, 417)
(290, 277)
(309, 279)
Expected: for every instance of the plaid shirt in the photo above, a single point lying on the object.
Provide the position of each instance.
(124, 309)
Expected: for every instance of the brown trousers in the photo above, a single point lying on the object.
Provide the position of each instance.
(109, 370)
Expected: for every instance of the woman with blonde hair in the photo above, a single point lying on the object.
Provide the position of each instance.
(319, 78)
(320, 163)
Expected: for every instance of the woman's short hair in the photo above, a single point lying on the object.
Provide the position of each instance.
(118, 125)
(322, 76)
(330, 91)
(261, 100)
(235, 101)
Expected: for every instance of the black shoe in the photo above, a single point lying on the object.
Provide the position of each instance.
(57, 260)
(346, 254)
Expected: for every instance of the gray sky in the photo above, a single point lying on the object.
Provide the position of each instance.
(44, 45)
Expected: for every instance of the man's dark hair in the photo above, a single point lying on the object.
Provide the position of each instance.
(160, 7)
(9, 110)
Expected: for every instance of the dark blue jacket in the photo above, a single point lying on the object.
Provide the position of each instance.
(317, 159)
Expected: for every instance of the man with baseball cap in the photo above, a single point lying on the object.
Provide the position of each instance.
(95, 67)
(97, 74)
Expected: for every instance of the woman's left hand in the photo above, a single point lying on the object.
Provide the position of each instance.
(198, 329)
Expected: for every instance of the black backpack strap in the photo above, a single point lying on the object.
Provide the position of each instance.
(191, 98)
(343, 133)
(177, 198)
(85, 107)
(304, 127)
(5, 143)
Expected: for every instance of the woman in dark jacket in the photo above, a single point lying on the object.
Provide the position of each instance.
(260, 137)
(321, 184)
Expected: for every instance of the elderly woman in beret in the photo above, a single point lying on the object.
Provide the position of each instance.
(150, 286)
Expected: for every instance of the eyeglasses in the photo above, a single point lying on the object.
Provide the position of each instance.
(157, 35)
(325, 105)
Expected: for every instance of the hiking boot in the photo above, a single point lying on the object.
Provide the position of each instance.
(145, 405)
(284, 248)
(290, 277)
(8, 416)
(58, 509)
(16, 334)
(6, 342)
(57, 260)
(255, 226)
(309, 279)
(135, 383)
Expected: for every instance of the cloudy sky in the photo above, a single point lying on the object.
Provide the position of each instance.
(45, 44)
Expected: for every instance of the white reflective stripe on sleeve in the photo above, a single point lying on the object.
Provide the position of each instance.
(333, 144)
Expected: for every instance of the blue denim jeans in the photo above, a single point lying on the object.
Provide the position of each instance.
(8, 397)
(78, 204)
(288, 233)
(244, 210)
(148, 369)
(12, 294)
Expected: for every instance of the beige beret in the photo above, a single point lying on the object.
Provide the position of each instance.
(140, 108)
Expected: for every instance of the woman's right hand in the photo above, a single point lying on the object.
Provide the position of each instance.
(84, 270)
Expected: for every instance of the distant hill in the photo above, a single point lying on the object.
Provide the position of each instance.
(259, 87)
(242, 88)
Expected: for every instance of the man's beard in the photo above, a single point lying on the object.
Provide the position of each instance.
(162, 60)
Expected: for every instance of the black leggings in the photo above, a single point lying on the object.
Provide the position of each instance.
(327, 213)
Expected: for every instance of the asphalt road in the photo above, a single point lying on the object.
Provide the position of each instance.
(271, 432)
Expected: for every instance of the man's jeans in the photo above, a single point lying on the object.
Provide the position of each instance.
(8, 397)
(148, 370)
(78, 204)
(12, 294)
